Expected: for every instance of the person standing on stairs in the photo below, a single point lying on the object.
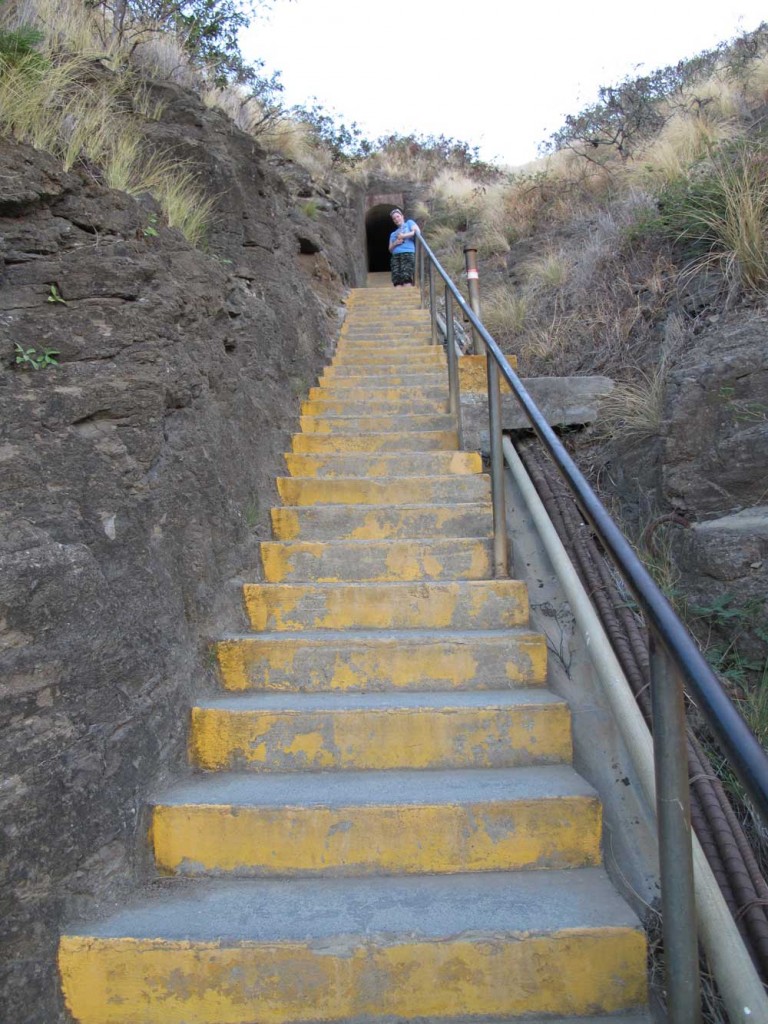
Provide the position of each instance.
(402, 249)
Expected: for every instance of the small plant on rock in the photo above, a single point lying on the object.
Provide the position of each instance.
(31, 359)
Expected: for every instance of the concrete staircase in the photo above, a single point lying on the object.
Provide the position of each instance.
(385, 825)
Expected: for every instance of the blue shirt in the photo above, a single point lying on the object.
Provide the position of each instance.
(409, 245)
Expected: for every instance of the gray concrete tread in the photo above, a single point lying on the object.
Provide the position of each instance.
(389, 587)
(365, 509)
(387, 638)
(355, 544)
(430, 700)
(387, 908)
(414, 787)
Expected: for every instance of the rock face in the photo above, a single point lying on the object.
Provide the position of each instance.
(718, 420)
(716, 468)
(708, 464)
(135, 478)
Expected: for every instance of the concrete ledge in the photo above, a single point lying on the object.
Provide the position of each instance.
(564, 401)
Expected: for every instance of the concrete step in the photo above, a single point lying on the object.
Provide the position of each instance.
(371, 561)
(361, 522)
(345, 465)
(369, 823)
(410, 441)
(376, 424)
(416, 381)
(440, 949)
(395, 490)
(333, 392)
(332, 405)
(372, 731)
(364, 343)
(454, 604)
(431, 372)
(376, 661)
(385, 356)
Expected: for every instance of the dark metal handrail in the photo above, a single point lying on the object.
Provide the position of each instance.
(749, 760)
(674, 657)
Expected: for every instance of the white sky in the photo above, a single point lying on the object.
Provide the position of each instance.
(487, 72)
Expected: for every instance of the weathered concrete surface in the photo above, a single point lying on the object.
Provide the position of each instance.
(564, 401)
(629, 843)
(511, 939)
(133, 478)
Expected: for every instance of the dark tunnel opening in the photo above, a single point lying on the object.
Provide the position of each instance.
(378, 227)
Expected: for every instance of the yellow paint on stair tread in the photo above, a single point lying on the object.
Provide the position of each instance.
(371, 839)
(244, 665)
(272, 606)
(380, 739)
(570, 972)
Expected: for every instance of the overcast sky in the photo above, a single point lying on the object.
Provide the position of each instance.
(497, 75)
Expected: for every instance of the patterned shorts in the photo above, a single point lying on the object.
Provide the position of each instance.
(403, 266)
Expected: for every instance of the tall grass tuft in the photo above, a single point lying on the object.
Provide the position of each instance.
(55, 105)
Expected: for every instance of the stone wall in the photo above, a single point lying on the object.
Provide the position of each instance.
(135, 482)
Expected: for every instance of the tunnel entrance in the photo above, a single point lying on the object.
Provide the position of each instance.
(378, 227)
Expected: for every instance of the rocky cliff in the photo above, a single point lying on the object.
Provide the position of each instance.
(135, 478)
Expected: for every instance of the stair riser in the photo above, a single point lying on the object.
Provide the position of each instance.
(439, 440)
(415, 381)
(122, 981)
(375, 424)
(193, 839)
(345, 465)
(384, 371)
(380, 740)
(376, 406)
(430, 394)
(375, 523)
(378, 561)
(392, 491)
(421, 342)
(491, 604)
(350, 357)
(293, 665)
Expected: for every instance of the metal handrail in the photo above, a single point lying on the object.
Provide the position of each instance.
(674, 657)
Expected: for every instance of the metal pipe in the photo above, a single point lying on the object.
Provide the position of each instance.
(453, 363)
(673, 815)
(500, 565)
(473, 287)
(743, 993)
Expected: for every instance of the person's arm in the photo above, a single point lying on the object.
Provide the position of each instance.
(414, 230)
(394, 242)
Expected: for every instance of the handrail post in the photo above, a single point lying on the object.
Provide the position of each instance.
(432, 305)
(673, 810)
(501, 568)
(473, 287)
(420, 269)
(453, 364)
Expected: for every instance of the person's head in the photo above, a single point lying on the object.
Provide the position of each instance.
(397, 217)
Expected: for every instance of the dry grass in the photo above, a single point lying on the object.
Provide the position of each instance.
(504, 313)
(635, 408)
(739, 224)
(241, 108)
(295, 141)
(550, 271)
(59, 108)
(685, 139)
